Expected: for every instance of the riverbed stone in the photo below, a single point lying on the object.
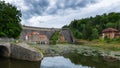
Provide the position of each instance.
(115, 54)
(82, 50)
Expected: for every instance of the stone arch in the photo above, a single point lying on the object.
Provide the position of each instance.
(4, 51)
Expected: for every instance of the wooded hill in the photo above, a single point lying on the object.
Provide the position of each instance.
(90, 28)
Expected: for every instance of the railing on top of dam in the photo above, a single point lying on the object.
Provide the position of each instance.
(39, 28)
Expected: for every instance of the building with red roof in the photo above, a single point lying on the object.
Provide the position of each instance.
(110, 33)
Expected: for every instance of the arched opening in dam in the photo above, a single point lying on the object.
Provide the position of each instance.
(4, 52)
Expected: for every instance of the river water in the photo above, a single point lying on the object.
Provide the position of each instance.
(66, 61)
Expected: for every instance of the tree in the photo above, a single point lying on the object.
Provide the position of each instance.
(112, 25)
(118, 25)
(10, 25)
(95, 34)
(65, 26)
(87, 31)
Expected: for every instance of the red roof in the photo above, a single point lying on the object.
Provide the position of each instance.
(42, 36)
(35, 33)
(29, 35)
(110, 30)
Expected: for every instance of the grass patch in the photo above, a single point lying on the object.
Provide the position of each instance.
(101, 44)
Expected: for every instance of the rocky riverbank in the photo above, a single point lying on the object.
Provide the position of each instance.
(21, 51)
(25, 52)
(56, 50)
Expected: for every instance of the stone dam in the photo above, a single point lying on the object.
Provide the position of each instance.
(48, 32)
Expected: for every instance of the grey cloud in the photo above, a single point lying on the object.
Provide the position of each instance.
(52, 11)
(73, 4)
(35, 7)
(39, 7)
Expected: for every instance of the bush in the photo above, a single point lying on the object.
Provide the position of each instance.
(54, 38)
(108, 40)
(53, 42)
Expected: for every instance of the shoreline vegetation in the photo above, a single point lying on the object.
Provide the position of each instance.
(101, 44)
(109, 52)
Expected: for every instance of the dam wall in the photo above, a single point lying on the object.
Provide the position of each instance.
(47, 31)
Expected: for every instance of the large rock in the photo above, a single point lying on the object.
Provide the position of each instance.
(25, 52)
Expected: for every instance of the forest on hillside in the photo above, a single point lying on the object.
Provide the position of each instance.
(90, 28)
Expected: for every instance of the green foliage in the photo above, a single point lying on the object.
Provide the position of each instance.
(65, 26)
(95, 34)
(118, 39)
(77, 34)
(112, 25)
(54, 38)
(9, 20)
(2, 34)
(108, 40)
(91, 28)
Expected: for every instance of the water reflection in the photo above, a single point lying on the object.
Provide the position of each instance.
(72, 60)
(59, 62)
(77, 61)
(92, 62)
(7, 63)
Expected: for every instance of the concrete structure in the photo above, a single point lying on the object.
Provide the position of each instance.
(43, 31)
(61, 39)
(48, 32)
(67, 34)
(37, 38)
(110, 33)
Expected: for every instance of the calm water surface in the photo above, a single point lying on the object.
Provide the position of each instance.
(68, 61)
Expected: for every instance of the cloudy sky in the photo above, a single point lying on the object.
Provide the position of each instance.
(57, 13)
